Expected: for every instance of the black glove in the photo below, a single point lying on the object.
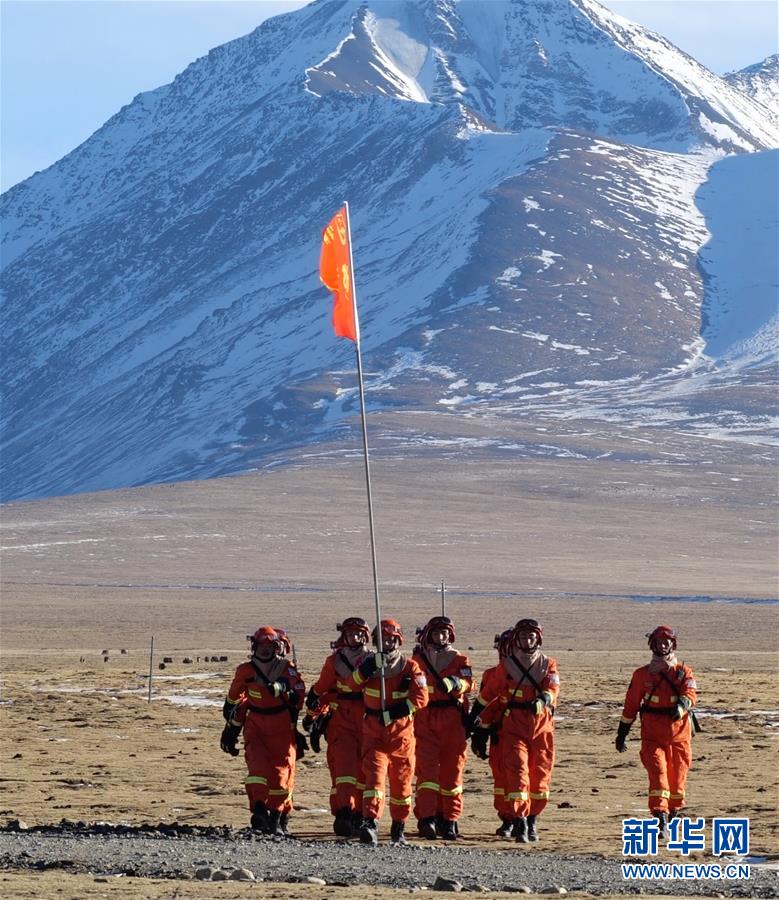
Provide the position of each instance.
(622, 732)
(318, 731)
(452, 684)
(279, 687)
(312, 699)
(229, 739)
(479, 741)
(301, 745)
(471, 722)
(227, 710)
(395, 712)
(307, 723)
(682, 706)
(370, 665)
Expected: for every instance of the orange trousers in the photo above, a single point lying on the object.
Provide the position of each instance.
(527, 767)
(387, 754)
(440, 763)
(344, 760)
(269, 750)
(667, 766)
(502, 806)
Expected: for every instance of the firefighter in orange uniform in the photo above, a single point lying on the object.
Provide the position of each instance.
(264, 699)
(440, 730)
(388, 735)
(663, 693)
(486, 739)
(335, 710)
(528, 685)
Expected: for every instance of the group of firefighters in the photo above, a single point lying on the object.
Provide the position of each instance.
(389, 717)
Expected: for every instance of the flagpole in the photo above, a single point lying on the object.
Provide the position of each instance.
(379, 642)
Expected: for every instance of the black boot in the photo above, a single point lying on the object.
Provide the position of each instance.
(504, 830)
(356, 821)
(369, 832)
(259, 820)
(396, 833)
(662, 821)
(284, 823)
(519, 830)
(532, 834)
(274, 823)
(427, 828)
(450, 831)
(342, 824)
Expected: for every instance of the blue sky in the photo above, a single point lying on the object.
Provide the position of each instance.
(68, 65)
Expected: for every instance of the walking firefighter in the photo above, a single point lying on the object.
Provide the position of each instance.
(486, 738)
(439, 730)
(388, 734)
(663, 693)
(264, 700)
(528, 685)
(335, 710)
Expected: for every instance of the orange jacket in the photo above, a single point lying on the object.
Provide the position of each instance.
(249, 689)
(409, 685)
(493, 713)
(336, 690)
(651, 696)
(459, 665)
(516, 695)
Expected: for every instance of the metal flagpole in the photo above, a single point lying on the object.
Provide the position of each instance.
(151, 664)
(443, 599)
(379, 642)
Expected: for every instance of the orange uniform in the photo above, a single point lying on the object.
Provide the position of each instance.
(269, 730)
(526, 747)
(344, 731)
(666, 749)
(388, 750)
(492, 719)
(440, 735)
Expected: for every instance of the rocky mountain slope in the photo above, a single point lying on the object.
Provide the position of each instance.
(524, 182)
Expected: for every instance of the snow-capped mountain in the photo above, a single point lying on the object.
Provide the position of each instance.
(523, 179)
(761, 83)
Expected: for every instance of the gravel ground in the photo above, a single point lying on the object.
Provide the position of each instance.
(185, 851)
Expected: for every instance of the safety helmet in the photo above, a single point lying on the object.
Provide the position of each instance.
(352, 625)
(286, 644)
(503, 642)
(662, 632)
(529, 626)
(267, 635)
(389, 629)
(437, 623)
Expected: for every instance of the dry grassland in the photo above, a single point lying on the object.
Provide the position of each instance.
(200, 565)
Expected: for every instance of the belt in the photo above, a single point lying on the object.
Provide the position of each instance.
(268, 710)
(353, 695)
(374, 712)
(658, 710)
(437, 704)
(516, 704)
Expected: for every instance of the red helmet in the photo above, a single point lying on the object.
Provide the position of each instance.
(529, 626)
(267, 635)
(437, 623)
(286, 644)
(662, 632)
(503, 642)
(389, 628)
(352, 625)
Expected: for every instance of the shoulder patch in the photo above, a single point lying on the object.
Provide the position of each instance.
(421, 680)
(292, 670)
(554, 678)
(466, 672)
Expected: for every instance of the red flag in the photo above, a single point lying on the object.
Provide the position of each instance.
(335, 273)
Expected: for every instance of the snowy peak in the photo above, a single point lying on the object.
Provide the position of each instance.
(761, 83)
(550, 63)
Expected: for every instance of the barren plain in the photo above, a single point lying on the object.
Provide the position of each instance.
(598, 550)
